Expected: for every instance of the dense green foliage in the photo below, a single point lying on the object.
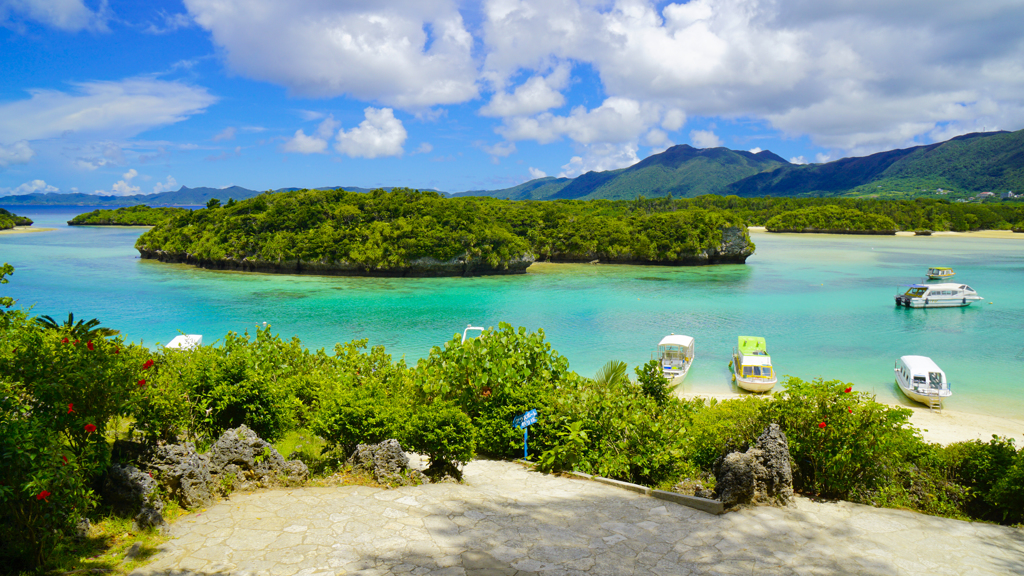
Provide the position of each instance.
(9, 220)
(829, 219)
(926, 214)
(141, 215)
(381, 231)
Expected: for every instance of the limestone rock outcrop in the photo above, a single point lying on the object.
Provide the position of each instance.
(387, 462)
(248, 461)
(761, 475)
(130, 491)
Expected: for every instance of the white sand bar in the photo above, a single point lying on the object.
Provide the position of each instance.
(509, 521)
(25, 230)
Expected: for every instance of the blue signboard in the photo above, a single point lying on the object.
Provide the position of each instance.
(523, 421)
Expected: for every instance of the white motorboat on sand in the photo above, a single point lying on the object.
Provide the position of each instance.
(675, 354)
(922, 380)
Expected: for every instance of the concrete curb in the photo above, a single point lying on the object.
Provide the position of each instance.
(620, 484)
(703, 504)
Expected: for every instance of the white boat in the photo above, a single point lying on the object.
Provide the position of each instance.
(185, 342)
(945, 295)
(940, 273)
(675, 353)
(470, 328)
(922, 380)
(752, 366)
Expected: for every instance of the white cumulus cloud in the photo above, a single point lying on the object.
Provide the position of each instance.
(170, 185)
(124, 187)
(600, 157)
(537, 94)
(537, 173)
(616, 120)
(705, 139)
(315, 143)
(67, 15)
(29, 188)
(100, 108)
(405, 53)
(18, 153)
(381, 134)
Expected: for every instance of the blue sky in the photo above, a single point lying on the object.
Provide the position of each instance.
(119, 97)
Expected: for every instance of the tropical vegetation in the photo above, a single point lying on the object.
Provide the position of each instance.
(9, 220)
(141, 215)
(384, 231)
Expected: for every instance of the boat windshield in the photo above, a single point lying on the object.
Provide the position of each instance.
(935, 379)
(916, 291)
(757, 371)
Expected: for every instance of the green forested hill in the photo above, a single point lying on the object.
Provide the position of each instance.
(140, 215)
(988, 161)
(9, 220)
(682, 171)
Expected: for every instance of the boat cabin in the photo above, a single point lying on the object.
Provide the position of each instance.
(753, 360)
(940, 272)
(675, 352)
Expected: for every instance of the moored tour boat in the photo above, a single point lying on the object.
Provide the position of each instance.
(185, 342)
(675, 353)
(945, 295)
(940, 273)
(752, 366)
(922, 380)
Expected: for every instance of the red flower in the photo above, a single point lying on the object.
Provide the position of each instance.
(43, 495)
(147, 365)
(71, 408)
(76, 342)
(64, 458)
(90, 428)
(851, 410)
(90, 346)
(849, 389)
(821, 424)
(142, 382)
(117, 350)
(64, 341)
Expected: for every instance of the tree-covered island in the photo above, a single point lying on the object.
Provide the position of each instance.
(9, 220)
(141, 215)
(410, 233)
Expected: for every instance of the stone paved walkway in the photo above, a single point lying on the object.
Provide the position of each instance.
(507, 521)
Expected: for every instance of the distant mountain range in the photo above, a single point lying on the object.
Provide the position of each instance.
(986, 161)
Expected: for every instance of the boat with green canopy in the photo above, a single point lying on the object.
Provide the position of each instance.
(752, 366)
(940, 273)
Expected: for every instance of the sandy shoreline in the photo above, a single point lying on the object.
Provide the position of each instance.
(1001, 234)
(938, 426)
(25, 230)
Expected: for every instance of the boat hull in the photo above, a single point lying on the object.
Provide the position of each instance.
(903, 300)
(932, 398)
(751, 384)
(676, 375)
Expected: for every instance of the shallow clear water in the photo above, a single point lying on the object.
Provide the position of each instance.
(824, 303)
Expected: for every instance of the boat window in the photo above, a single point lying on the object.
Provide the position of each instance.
(916, 292)
(918, 379)
(766, 371)
(935, 379)
(748, 371)
(967, 288)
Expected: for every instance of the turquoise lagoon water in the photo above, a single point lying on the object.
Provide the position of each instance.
(823, 302)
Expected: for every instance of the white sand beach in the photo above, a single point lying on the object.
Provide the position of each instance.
(25, 230)
(1001, 234)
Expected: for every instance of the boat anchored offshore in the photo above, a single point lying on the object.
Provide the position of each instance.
(675, 354)
(922, 380)
(945, 295)
(185, 342)
(940, 273)
(752, 366)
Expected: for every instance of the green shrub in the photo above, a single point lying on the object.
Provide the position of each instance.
(992, 472)
(843, 443)
(361, 415)
(443, 432)
(493, 378)
(718, 428)
(652, 381)
(568, 452)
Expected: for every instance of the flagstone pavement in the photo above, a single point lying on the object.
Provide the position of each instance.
(506, 520)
